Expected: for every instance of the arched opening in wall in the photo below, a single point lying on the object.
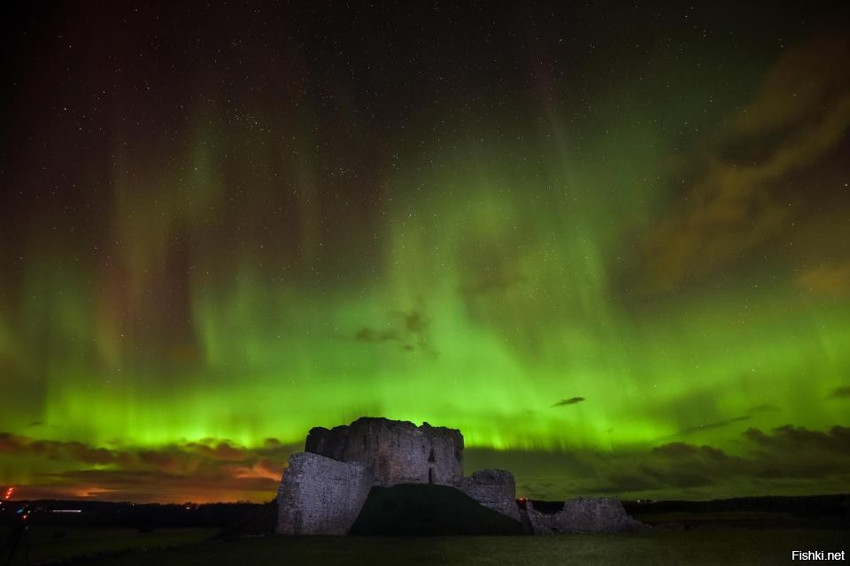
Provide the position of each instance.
(430, 475)
(431, 460)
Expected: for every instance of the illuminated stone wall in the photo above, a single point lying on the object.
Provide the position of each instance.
(396, 451)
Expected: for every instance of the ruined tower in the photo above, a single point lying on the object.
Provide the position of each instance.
(395, 451)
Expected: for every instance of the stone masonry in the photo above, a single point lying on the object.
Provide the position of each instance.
(495, 489)
(603, 515)
(396, 451)
(321, 496)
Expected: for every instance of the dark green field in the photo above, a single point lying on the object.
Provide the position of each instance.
(692, 547)
(47, 544)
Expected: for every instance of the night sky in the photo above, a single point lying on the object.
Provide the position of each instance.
(609, 242)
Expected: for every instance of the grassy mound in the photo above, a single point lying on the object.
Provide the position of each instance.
(421, 509)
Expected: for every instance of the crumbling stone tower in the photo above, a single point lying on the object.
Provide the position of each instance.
(395, 451)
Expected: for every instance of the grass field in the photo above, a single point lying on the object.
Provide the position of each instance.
(44, 544)
(696, 547)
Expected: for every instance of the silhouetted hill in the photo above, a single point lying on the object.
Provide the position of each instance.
(806, 511)
(801, 506)
(422, 509)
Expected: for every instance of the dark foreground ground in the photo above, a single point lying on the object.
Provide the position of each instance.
(692, 547)
(726, 532)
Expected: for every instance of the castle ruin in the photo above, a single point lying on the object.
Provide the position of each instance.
(324, 488)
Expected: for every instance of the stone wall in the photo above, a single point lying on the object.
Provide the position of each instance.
(321, 496)
(494, 489)
(396, 451)
(604, 515)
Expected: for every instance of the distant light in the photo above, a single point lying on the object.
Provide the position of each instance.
(66, 510)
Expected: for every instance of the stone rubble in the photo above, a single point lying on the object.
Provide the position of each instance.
(584, 515)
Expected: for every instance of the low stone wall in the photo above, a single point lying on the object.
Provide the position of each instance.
(604, 515)
(321, 496)
(494, 489)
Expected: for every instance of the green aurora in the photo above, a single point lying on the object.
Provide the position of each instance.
(592, 263)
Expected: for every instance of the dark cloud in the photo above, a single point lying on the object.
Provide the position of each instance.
(797, 440)
(831, 279)
(201, 471)
(764, 408)
(155, 486)
(377, 336)
(10, 443)
(709, 426)
(788, 460)
(742, 192)
(221, 451)
(56, 450)
(570, 401)
(682, 451)
(791, 452)
(489, 284)
(842, 392)
(409, 329)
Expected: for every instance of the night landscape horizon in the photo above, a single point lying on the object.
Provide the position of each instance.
(609, 243)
